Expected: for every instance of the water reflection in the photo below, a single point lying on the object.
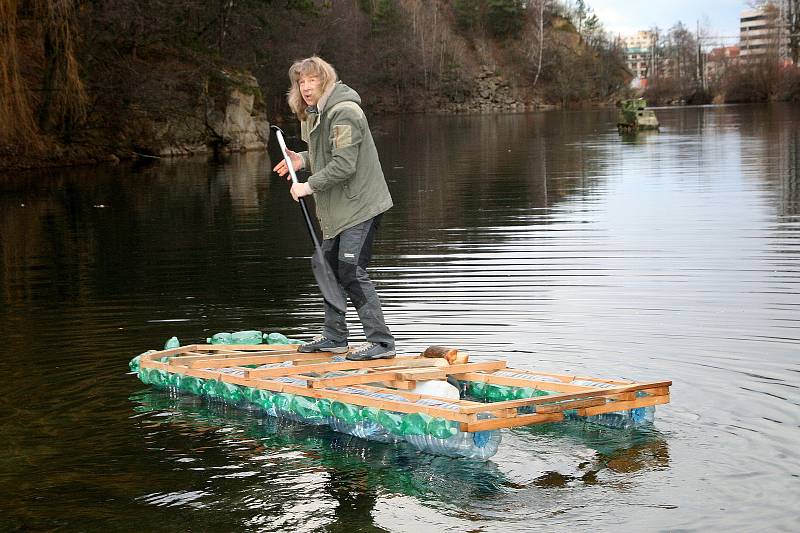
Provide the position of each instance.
(543, 238)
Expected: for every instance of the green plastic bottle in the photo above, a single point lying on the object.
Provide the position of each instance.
(136, 363)
(174, 380)
(415, 424)
(210, 387)
(324, 406)
(282, 401)
(276, 338)
(477, 389)
(220, 338)
(264, 399)
(192, 384)
(346, 412)
(442, 429)
(246, 337)
(231, 393)
(497, 393)
(391, 422)
(306, 408)
(173, 342)
(519, 393)
(370, 413)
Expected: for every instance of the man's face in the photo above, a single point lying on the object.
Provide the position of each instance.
(310, 89)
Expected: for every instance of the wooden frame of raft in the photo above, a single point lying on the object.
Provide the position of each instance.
(399, 375)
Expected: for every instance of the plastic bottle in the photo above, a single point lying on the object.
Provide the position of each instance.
(415, 424)
(345, 412)
(192, 385)
(276, 338)
(441, 428)
(497, 393)
(246, 337)
(306, 408)
(171, 343)
(222, 337)
(391, 422)
(364, 429)
(135, 363)
(438, 388)
(477, 390)
(282, 402)
(324, 406)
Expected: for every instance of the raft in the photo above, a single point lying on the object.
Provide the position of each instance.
(375, 400)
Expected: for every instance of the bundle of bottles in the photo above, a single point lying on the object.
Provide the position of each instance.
(427, 433)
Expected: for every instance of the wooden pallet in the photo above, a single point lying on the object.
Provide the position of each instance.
(400, 375)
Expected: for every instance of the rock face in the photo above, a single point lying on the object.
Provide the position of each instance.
(239, 127)
(228, 117)
(490, 93)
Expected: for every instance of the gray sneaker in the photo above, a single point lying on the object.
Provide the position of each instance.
(369, 351)
(320, 343)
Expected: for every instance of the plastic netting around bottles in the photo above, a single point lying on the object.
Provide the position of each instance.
(427, 433)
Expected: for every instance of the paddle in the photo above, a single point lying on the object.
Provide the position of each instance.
(322, 270)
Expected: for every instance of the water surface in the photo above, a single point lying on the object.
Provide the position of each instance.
(545, 238)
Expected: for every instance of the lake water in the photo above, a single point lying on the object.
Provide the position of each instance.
(544, 238)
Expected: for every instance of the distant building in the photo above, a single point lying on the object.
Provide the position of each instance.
(718, 60)
(763, 32)
(639, 56)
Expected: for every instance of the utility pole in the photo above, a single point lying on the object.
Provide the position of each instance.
(700, 74)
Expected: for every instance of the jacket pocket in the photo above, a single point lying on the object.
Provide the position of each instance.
(351, 190)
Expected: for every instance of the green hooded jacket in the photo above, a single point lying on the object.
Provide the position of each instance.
(346, 175)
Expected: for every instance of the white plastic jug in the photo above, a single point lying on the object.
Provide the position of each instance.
(438, 388)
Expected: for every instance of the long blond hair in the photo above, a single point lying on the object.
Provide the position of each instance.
(310, 66)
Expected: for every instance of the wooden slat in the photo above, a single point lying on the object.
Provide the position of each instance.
(421, 374)
(222, 356)
(645, 401)
(256, 359)
(569, 404)
(521, 420)
(520, 382)
(324, 367)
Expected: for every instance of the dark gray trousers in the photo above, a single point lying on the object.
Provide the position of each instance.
(348, 254)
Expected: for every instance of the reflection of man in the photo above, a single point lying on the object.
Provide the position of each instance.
(350, 194)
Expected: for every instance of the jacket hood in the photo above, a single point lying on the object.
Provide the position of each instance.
(340, 93)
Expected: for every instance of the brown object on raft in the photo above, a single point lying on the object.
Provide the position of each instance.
(451, 355)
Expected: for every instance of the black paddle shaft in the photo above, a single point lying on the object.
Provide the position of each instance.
(323, 273)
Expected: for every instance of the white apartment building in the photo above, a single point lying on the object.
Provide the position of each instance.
(639, 54)
(763, 30)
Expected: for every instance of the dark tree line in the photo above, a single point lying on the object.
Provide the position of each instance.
(105, 72)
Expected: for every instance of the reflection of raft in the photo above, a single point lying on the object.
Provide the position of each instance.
(374, 399)
(634, 116)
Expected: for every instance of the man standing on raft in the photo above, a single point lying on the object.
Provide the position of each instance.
(350, 194)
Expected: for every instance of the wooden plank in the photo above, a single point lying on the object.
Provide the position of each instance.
(519, 382)
(521, 420)
(256, 359)
(170, 352)
(568, 378)
(323, 367)
(537, 400)
(216, 357)
(645, 401)
(569, 404)
(421, 374)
